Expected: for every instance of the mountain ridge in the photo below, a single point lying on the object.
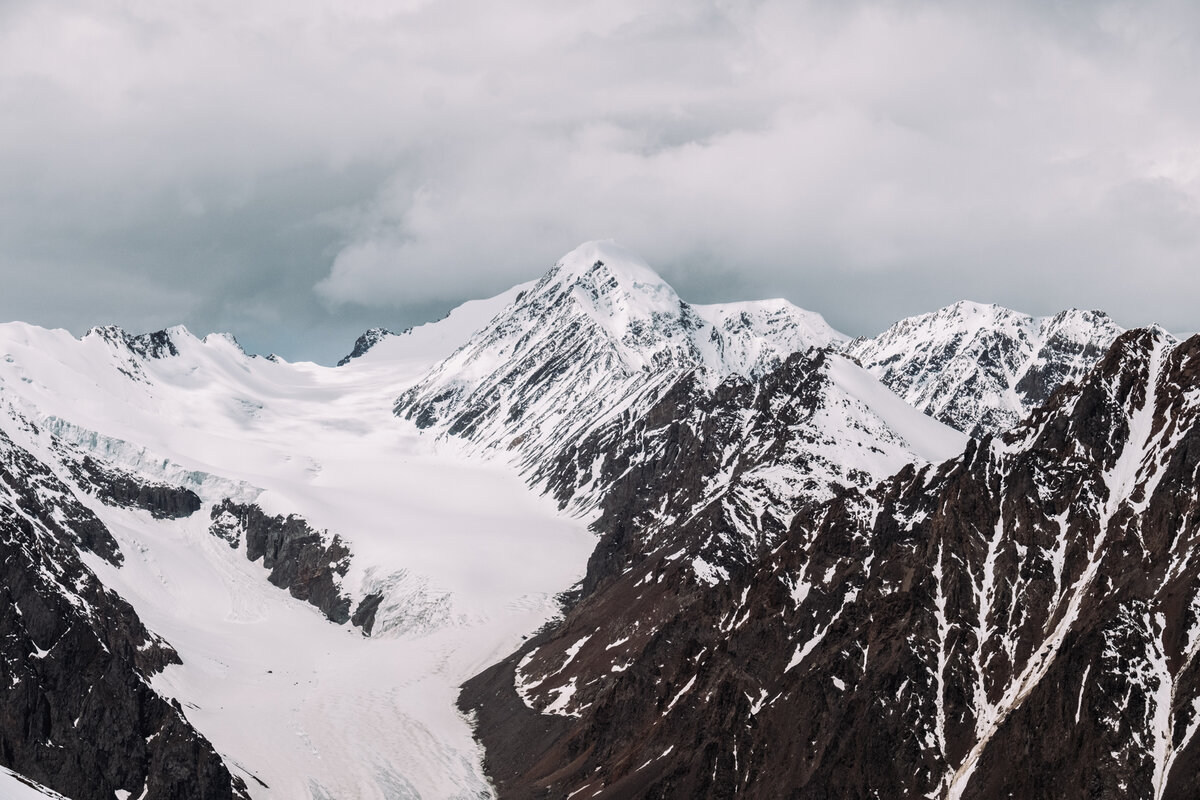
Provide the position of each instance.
(739, 464)
(981, 368)
(909, 639)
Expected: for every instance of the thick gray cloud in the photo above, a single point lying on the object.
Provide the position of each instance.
(296, 171)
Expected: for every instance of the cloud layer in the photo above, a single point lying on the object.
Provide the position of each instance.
(296, 171)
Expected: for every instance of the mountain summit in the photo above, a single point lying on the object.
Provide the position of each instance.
(599, 332)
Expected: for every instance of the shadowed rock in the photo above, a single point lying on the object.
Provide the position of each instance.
(306, 562)
(118, 488)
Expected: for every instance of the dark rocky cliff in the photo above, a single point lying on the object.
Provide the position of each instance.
(364, 343)
(118, 488)
(307, 562)
(1029, 603)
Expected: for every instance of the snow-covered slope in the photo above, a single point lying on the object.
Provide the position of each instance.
(463, 558)
(750, 337)
(423, 345)
(981, 368)
(15, 787)
(601, 332)
(742, 457)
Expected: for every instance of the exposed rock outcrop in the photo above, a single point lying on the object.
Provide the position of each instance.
(365, 342)
(306, 562)
(120, 488)
(364, 614)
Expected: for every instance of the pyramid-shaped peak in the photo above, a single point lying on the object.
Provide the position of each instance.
(611, 285)
(606, 266)
(593, 256)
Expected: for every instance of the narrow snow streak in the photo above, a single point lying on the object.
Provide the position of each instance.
(943, 629)
(1120, 481)
(1082, 689)
(984, 596)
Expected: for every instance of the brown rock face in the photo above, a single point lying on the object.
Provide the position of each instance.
(1021, 621)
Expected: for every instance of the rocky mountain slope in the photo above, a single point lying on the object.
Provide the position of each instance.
(982, 368)
(1033, 599)
(738, 460)
(79, 714)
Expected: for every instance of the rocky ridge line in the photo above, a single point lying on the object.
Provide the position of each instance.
(1029, 599)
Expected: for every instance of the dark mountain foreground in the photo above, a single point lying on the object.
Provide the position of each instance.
(1019, 621)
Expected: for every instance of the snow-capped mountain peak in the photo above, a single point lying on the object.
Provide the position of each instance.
(159, 344)
(598, 333)
(166, 343)
(626, 302)
(980, 368)
(616, 285)
(749, 337)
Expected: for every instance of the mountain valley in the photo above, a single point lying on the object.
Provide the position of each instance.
(585, 539)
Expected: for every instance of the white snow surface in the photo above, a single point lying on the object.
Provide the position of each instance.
(755, 334)
(16, 787)
(468, 557)
(924, 436)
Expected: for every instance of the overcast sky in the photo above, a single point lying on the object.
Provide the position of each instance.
(296, 171)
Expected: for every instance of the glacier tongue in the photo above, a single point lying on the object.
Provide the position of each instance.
(469, 560)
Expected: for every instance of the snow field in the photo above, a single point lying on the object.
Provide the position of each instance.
(299, 707)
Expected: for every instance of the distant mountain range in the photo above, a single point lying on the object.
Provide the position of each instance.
(665, 550)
